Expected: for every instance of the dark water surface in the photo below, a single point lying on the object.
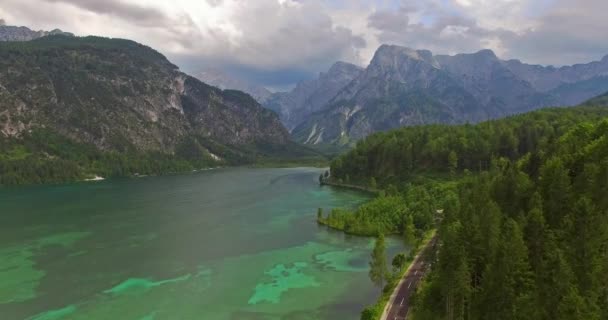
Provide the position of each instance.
(221, 244)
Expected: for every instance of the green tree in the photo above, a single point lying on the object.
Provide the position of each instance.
(378, 271)
(372, 183)
(452, 162)
(409, 231)
(398, 262)
(555, 191)
(508, 282)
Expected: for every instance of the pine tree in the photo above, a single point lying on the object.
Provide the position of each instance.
(555, 191)
(452, 162)
(372, 183)
(508, 281)
(535, 233)
(589, 238)
(409, 231)
(378, 271)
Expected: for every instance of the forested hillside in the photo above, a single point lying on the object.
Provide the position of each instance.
(527, 240)
(391, 157)
(72, 108)
(523, 230)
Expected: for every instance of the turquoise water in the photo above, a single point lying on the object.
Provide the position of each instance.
(221, 244)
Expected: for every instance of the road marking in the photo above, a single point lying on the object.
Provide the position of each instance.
(416, 273)
(402, 302)
(408, 286)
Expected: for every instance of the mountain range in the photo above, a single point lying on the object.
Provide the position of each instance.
(404, 87)
(313, 95)
(120, 96)
(14, 33)
(222, 80)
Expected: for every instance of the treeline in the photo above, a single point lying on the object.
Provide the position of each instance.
(408, 212)
(524, 233)
(522, 243)
(395, 156)
(43, 156)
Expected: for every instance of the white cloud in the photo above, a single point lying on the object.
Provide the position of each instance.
(283, 36)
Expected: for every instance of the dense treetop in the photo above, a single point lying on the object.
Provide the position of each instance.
(523, 233)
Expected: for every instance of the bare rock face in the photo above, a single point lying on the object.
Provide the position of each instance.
(570, 85)
(120, 95)
(12, 33)
(224, 81)
(311, 96)
(403, 87)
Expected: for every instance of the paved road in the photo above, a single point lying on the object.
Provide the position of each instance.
(400, 305)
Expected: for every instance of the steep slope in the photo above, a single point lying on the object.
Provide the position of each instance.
(13, 33)
(120, 97)
(117, 93)
(312, 95)
(404, 87)
(570, 85)
(398, 88)
(601, 100)
(224, 81)
(493, 85)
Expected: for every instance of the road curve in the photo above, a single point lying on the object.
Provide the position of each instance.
(398, 305)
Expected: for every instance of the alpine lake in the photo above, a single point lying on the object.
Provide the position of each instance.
(221, 244)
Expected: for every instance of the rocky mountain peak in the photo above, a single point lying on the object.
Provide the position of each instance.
(403, 59)
(486, 54)
(222, 80)
(341, 72)
(13, 33)
(341, 67)
(388, 52)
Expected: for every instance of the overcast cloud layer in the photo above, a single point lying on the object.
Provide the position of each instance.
(278, 42)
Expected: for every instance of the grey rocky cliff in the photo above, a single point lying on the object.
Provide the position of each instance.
(217, 78)
(13, 33)
(403, 87)
(313, 95)
(120, 95)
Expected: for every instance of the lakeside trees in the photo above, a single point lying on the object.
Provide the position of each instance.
(378, 269)
(397, 156)
(523, 233)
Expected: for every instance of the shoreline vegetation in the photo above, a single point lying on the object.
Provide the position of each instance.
(378, 310)
(45, 157)
(523, 224)
(369, 220)
(350, 186)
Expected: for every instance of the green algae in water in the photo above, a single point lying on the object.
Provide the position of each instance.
(198, 222)
(138, 284)
(338, 261)
(19, 277)
(150, 316)
(65, 239)
(283, 279)
(55, 314)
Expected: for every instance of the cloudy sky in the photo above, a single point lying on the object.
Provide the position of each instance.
(279, 42)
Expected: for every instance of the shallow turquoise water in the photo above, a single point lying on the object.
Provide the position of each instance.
(221, 244)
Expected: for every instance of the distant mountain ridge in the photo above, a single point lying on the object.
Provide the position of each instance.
(403, 87)
(219, 79)
(312, 95)
(13, 33)
(118, 95)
